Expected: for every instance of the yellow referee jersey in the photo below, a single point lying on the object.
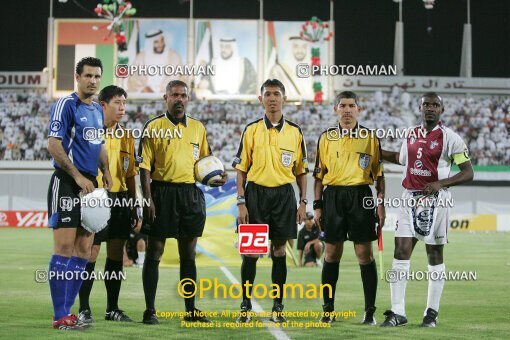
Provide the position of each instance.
(351, 159)
(120, 146)
(169, 148)
(272, 155)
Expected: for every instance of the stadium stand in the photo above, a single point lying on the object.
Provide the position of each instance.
(483, 122)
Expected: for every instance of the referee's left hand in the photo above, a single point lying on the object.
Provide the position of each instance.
(381, 215)
(220, 182)
(136, 221)
(301, 213)
(318, 218)
(107, 180)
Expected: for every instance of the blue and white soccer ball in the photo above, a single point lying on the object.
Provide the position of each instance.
(208, 169)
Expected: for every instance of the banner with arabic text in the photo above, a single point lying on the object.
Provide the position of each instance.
(424, 84)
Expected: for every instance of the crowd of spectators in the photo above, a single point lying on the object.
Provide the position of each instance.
(483, 122)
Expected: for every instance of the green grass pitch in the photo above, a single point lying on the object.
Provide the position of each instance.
(469, 309)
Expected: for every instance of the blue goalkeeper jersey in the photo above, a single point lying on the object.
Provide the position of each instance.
(79, 125)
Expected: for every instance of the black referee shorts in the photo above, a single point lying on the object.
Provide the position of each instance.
(344, 217)
(63, 193)
(276, 207)
(180, 211)
(119, 224)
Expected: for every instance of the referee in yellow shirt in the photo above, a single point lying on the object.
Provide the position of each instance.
(271, 156)
(348, 161)
(120, 145)
(170, 146)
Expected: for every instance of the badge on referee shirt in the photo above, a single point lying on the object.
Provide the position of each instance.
(286, 158)
(196, 152)
(364, 160)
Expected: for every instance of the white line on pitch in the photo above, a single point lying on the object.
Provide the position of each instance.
(276, 332)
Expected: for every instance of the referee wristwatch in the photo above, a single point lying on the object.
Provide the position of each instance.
(304, 200)
(241, 200)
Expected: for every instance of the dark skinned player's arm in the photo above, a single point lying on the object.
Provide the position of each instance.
(390, 156)
(466, 174)
(145, 181)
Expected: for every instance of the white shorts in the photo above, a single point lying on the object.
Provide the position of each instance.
(426, 222)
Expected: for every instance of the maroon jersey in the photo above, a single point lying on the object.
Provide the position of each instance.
(428, 156)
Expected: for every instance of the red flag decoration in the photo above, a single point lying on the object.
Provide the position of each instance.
(316, 31)
(115, 11)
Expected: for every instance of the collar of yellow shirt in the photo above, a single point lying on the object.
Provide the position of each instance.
(269, 125)
(346, 131)
(175, 121)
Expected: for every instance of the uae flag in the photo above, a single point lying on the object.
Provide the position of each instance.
(203, 43)
(273, 67)
(272, 54)
(76, 40)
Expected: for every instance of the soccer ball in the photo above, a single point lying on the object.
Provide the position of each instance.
(95, 210)
(208, 169)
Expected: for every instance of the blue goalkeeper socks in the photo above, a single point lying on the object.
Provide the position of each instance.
(58, 265)
(76, 266)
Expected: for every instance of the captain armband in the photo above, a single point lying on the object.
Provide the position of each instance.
(460, 158)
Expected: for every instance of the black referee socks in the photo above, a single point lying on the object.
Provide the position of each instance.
(113, 285)
(150, 276)
(369, 278)
(330, 272)
(279, 274)
(86, 287)
(188, 270)
(248, 272)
